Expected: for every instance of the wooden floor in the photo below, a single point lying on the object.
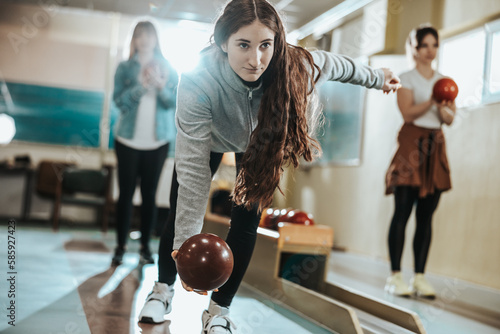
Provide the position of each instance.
(64, 284)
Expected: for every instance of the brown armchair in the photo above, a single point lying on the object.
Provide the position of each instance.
(87, 187)
(49, 172)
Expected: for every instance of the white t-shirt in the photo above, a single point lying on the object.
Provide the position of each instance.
(145, 125)
(422, 92)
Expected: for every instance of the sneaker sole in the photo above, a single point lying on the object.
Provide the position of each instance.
(116, 263)
(406, 295)
(144, 261)
(419, 295)
(151, 320)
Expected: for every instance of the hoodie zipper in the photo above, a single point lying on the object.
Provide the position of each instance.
(250, 96)
(251, 89)
(250, 110)
(250, 93)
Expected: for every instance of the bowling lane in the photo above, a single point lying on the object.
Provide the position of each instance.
(251, 312)
(66, 285)
(460, 307)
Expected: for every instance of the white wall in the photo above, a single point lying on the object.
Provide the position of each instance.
(61, 47)
(460, 12)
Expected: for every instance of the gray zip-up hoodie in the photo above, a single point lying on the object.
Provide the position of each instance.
(217, 112)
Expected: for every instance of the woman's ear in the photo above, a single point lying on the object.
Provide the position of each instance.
(224, 47)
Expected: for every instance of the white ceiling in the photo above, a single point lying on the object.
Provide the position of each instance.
(296, 12)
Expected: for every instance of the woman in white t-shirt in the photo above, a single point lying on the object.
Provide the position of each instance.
(419, 171)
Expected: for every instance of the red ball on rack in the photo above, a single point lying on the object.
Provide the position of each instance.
(298, 217)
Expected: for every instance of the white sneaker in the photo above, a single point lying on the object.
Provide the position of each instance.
(421, 287)
(397, 286)
(216, 320)
(158, 303)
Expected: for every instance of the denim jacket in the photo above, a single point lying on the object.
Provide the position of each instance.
(128, 92)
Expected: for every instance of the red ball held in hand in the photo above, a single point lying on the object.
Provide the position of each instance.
(445, 89)
(204, 262)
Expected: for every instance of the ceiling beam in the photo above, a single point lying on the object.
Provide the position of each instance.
(328, 20)
(282, 4)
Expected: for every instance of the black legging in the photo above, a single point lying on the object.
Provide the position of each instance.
(241, 239)
(135, 165)
(405, 197)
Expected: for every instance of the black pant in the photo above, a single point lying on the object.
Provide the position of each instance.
(241, 239)
(405, 197)
(144, 167)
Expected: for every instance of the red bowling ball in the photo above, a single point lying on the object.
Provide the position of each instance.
(265, 218)
(445, 89)
(269, 218)
(298, 217)
(204, 262)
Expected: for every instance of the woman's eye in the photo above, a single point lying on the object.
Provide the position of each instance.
(266, 45)
(244, 45)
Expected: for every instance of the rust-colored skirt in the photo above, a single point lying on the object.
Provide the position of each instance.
(420, 161)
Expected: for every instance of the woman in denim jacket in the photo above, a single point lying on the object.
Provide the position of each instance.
(145, 94)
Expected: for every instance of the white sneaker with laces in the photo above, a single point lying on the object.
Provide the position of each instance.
(158, 303)
(216, 320)
(396, 285)
(421, 287)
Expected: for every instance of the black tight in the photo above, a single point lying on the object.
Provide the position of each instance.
(405, 197)
(241, 239)
(134, 166)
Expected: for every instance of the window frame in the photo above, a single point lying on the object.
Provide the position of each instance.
(491, 29)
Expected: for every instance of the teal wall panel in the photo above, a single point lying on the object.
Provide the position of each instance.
(55, 115)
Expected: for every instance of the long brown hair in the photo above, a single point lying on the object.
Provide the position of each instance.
(140, 27)
(282, 135)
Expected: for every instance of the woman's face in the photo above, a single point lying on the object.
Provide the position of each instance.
(145, 42)
(427, 51)
(250, 50)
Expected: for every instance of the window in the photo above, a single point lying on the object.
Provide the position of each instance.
(462, 59)
(340, 138)
(468, 58)
(491, 92)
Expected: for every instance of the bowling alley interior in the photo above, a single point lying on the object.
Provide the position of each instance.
(321, 262)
